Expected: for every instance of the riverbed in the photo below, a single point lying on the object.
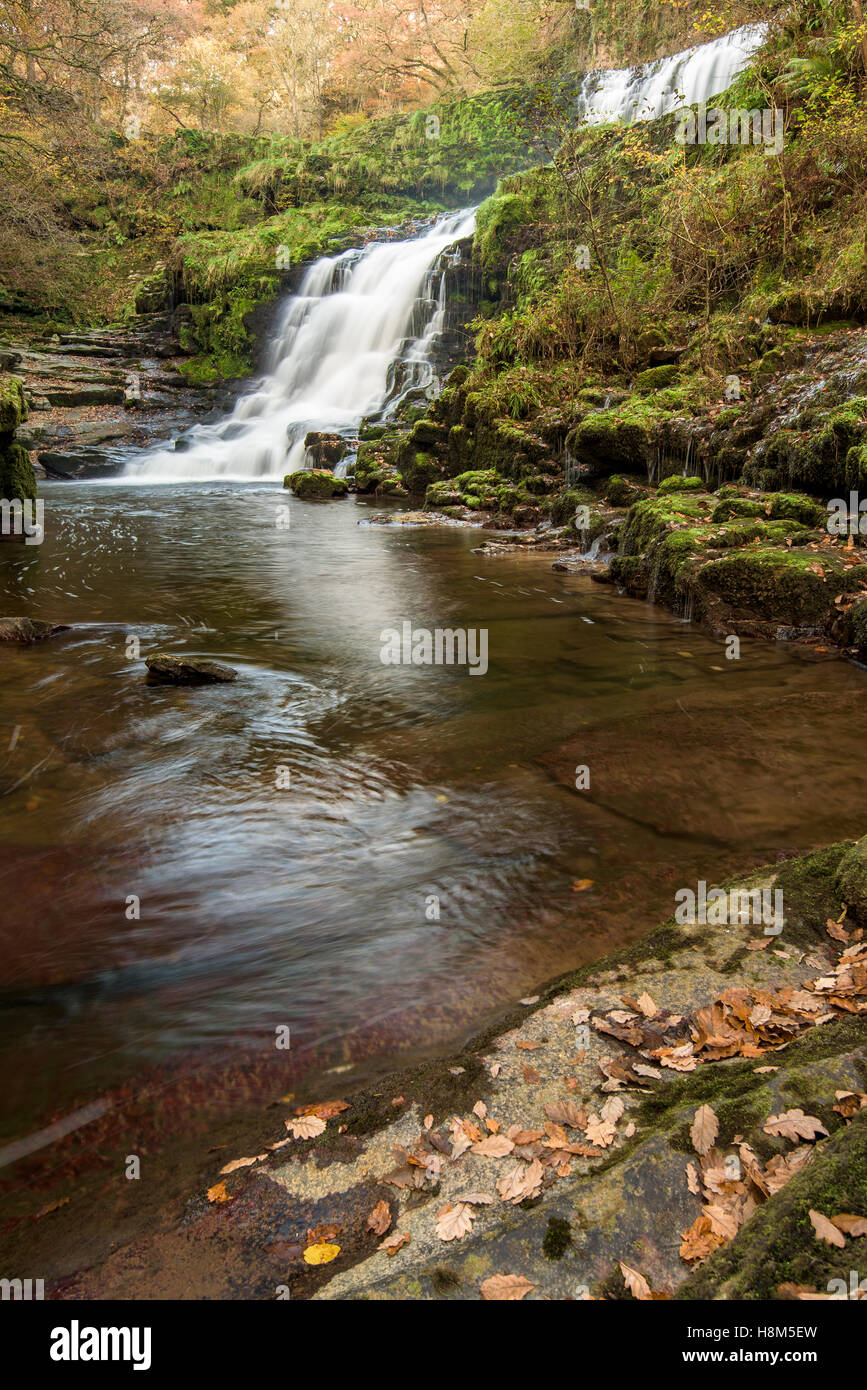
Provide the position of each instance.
(361, 860)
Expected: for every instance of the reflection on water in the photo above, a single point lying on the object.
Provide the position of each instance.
(283, 834)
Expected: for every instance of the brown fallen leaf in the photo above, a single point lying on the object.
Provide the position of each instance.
(52, 1206)
(305, 1126)
(505, 1288)
(495, 1146)
(704, 1130)
(850, 1225)
(524, 1180)
(379, 1219)
(826, 1230)
(581, 885)
(699, 1241)
(794, 1124)
(454, 1222)
(527, 1046)
(325, 1109)
(530, 1075)
(240, 1163)
(635, 1282)
(647, 1006)
(393, 1243)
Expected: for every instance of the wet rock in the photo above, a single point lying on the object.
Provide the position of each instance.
(325, 450)
(316, 484)
(165, 669)
(26, 631)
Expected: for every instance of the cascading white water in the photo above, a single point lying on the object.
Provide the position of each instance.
(334, 360)
(360, 331)
(696, 74)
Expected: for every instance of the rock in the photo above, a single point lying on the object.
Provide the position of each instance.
(13, 406)
(17, 478)
(165, 669)
(656, 378)
(315, 484)
(28, 630)
(325, 450)
(851, 882)
(676, 483)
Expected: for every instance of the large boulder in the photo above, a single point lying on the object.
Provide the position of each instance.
(26, 631)
(315, 485)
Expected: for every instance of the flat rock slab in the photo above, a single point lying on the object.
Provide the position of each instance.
(166, 669)
(28, 630)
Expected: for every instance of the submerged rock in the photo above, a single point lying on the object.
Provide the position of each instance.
(28, 630)
(165, 669)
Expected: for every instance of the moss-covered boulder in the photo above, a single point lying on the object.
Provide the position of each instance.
(656, 378)
(851, 880)
(13, 404)
(780, 586)
(315, 485)
(17, 478)
(677, 483)
(605, 443)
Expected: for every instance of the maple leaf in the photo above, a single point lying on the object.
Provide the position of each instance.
(794, 1124)
(454, 1222)
(379, 1219)
(635, 1282)
(495, 1146)
(505, 1288)
(393, 1243)
(704, 1129)
(826, 1230)
(305, 1126)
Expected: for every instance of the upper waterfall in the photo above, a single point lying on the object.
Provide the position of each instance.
(332, 361)
(654, 89)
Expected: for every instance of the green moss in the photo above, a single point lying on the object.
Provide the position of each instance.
(777, 585)
(851, 880)
(655, 378)
(676, 483)
(810, 897)
(315, 486)
(778, 1244)
(13, 404)
(17, 478)
(557, 1239)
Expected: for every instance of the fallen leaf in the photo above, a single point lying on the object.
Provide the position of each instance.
(379, 1219)
(305, 1126)
(704, 1129)
(850, 1225)
(505, 1288)
(794, 1124)
(826, 1230)
(218, 1193)
(454, 1222)
(635, 1282)
(239, 1163)
(581, 885)
(393, 1243)
(495, 1146)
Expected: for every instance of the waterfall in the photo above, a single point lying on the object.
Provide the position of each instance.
(354, 339)
(696, 74)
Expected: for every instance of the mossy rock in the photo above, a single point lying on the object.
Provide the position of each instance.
(13, 404)
(851, 880)
(418, 471)
(676, 483)
(605, 443)
(17, 478)
(778, 1244)
(771, 584)
(314, 485)
(564, 506)
(621, 492)
(656, 378)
